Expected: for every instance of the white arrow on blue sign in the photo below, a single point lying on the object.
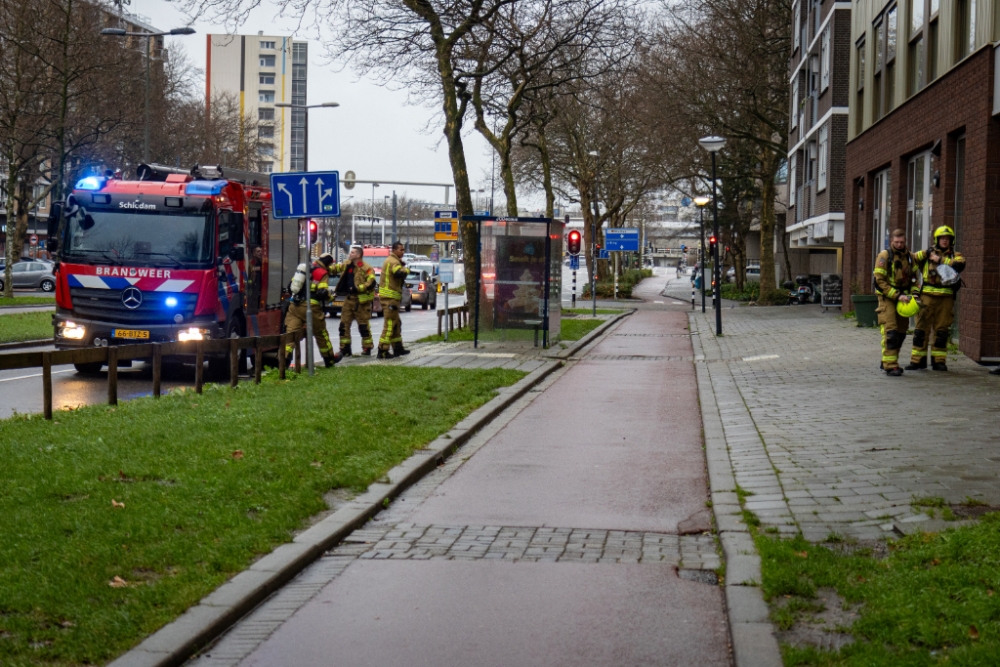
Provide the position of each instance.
(305, 194)
(622, 239)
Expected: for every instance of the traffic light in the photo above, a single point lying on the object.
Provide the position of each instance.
(573, 241)
(711, 243)
(312, 232)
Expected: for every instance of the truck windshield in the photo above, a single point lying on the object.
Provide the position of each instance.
(149, 238)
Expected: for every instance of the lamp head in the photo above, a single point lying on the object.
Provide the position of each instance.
(712, 144)
(114, 32)
(330, 104)
(186, 30)
(701, 201)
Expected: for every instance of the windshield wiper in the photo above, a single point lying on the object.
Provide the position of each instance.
(106, 254)
(178, 263)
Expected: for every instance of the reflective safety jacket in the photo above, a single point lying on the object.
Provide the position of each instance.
(364, 279)
(894, 273)
(928, 269)
(393, 275)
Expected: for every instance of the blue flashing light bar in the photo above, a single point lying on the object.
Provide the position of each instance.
(170, 302)
(90, 183)
(205, 187)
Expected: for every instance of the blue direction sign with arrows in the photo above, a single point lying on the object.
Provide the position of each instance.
(305, 194)
(621, 239)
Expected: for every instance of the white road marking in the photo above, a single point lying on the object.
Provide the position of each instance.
(36, 375)
(761, 357)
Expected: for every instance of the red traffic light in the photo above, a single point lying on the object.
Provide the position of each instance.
(312, 231)
(712, 239)
(573, 242)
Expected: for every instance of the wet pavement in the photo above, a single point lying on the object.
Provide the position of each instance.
(565, 533)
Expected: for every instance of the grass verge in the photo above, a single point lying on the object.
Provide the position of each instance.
(930, 601)
(115, 520)
(576, 329)
(588, 311)
(27, 301)
(17, 327)
(455, 336)
(750, 291)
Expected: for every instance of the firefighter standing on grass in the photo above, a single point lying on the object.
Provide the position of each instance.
(295, 319)
(937, 301)
(357, 286)
(894, 278)
(390, 293)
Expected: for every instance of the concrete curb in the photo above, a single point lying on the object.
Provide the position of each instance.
(20, 345)
(177, 641)
(590, 337)
(754, 642)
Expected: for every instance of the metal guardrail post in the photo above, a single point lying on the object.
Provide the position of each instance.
(234, 362)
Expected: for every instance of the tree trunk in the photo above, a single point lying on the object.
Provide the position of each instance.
(768, 191)
(13, 249)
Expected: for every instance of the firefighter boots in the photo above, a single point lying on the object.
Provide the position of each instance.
(939, 366)
(345, 350)
(366, 352)
(383, 354)
(331, 359)
(919, 366)
(398, 351)
(894, 372)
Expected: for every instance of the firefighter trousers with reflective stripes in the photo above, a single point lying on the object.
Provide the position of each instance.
(296, 319)
(893, 327)
(391, 328)
(362, 314)
(933, 327)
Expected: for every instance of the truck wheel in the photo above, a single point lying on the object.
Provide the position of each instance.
(91, 368)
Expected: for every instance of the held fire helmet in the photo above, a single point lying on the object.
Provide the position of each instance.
(908, 309)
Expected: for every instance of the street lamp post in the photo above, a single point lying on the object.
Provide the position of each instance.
(701, 201)
(305, 228)
(122, 32)
(714, 144)
(593, 237)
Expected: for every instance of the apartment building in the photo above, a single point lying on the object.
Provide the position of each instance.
(924, 146)
(263, 70)
(819, 80)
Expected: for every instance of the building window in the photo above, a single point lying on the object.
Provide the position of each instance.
(795, 101)
(267, 45)
(267, 61)
(965, 28)
(824, 154)
(266, 79)
(881, 213)
(265, 114)
(923, 49)
(266, 149)
(916, 65)
(267, 167)
(959, 186)
(859, 111)
(824, 60)
(793, 179)
(890, 59)
(266, 96)
(265, 132)
(796, 18)
(918, 201)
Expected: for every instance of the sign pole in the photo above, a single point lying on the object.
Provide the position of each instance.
(593, 258)
(309, 311)
(616, 275)
(574, 284)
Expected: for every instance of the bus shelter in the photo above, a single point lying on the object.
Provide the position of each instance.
(520, 279)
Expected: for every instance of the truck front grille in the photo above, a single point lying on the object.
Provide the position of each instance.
(106, 305)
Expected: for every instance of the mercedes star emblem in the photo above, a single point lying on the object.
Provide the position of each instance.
(132, 298)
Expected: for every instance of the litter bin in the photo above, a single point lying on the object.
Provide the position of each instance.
(864, 309)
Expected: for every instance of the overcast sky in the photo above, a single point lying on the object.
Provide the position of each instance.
(373, 132)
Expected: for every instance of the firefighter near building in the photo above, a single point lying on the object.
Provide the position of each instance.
(172, 256)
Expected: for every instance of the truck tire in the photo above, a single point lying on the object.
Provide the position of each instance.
(91, 368)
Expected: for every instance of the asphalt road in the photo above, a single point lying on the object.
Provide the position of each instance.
(21, 390)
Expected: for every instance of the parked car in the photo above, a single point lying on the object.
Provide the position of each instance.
(423, 289)
(753, 273)
(32, 275)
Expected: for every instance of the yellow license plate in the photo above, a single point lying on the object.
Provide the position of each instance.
(130, 333)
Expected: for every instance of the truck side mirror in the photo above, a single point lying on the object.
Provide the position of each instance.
(52, 231)
(236, 250)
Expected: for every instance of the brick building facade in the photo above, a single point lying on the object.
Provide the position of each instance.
(924, 149)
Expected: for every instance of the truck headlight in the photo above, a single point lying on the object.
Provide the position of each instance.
(71, 330)
(194, 333)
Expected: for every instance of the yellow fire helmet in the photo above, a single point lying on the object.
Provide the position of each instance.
(908, 309)
(944, 230)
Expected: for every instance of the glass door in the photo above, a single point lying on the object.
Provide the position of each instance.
(881, 213)
(918, 201)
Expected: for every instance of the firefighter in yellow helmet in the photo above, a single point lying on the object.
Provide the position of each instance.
(937, 301)
(295, 318)
(894, 279)
(390, 293)
(357, 287)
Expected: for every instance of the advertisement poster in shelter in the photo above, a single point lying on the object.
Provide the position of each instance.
(520, 296)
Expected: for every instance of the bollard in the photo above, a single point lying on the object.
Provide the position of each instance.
(112, 375)
(47, 383)
(157, 369)
(199, 367)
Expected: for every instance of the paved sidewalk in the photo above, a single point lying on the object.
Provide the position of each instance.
(826, 441)
(573, 531)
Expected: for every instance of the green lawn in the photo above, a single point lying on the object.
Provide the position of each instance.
(575, 329)
(16, 327)
(933, 600)
(27, 301)
(453, 336)
(570, 329)
(176, 495)
(588, 311)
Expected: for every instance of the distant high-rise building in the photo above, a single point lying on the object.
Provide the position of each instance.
(263, 70)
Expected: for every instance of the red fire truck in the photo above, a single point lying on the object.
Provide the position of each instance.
(172, 256)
